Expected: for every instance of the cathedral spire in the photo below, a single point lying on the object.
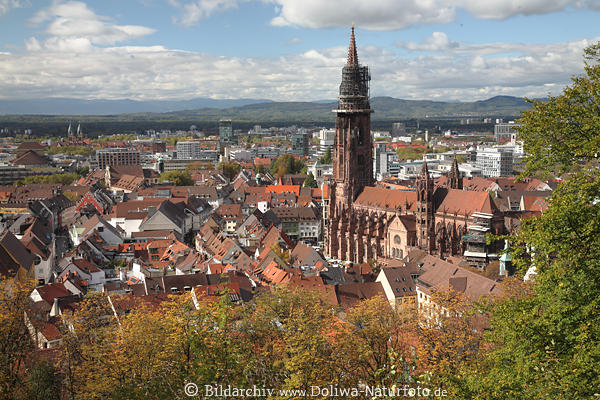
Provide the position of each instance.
(352, 53)
(454, 180)
(424, 170)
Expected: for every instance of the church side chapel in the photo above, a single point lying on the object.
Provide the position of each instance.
(368, 222)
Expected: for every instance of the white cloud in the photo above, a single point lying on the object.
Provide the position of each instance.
(73, 25)
(401, 14)
(72, 61)
(466, 72)
(194, 11)
(438, 41)
(380, 14)
(292, 41)
(502, 9)
(7, 5)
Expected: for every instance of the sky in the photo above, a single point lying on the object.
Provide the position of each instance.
(291, 50)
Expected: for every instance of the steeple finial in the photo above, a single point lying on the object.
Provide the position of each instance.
(352, 54)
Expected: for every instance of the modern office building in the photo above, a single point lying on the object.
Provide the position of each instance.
(326, 140)
(300, 144)
(226, 135)
(189, 150)
(495, 161)
(117, 156)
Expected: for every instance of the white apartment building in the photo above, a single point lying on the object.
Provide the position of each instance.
(189, 150)
(495, 161)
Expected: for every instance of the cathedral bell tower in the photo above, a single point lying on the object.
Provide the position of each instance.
(352, 157)
(425, 210)
(352, 150)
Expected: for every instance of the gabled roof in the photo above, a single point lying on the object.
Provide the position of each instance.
(52, 291)
(13, 254)
(351, 294)
(283, 189)
(305, 255)
(275, 275)
(93, 222)
(116, 171)
(444, 275)
(30, 158)
(129, 182)
(400, 280)
(31, 146)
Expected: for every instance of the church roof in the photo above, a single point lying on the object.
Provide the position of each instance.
(461, 202)
(388, 199)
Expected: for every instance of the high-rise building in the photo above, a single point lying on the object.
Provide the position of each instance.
(117, 156)
(300, 144)
(226, 135)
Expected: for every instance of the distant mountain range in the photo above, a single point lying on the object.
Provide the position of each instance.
(386, 109)
(65, 106)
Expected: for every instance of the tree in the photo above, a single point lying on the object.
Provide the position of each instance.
(286, 164)
(411, 153)
(177, 178)
(63, 179)
(82, 171)
(544, 340)
(42, 382)
(198, 165)
(326, 159)
(376, 344)
(564, 131)
(310, 181)
(15, 342)
(550, 335)
(230, 169)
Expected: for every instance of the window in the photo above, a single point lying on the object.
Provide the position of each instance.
(397, 239)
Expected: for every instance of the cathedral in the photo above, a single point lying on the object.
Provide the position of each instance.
(368, 222)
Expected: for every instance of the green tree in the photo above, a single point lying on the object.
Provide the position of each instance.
(83, 171)
(564, 131)
(42, 383)
(326, 159)
(70, 150)
(230, 169)
(411, 153)
(63, 179)
(286, 164)
(177, 178)
(310, 181)
(550, 338)
(544, 341)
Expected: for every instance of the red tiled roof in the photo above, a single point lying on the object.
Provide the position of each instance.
(461, 202)
(284, 189)
(387, 198)
(51, 291)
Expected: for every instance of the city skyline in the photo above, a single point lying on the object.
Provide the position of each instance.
(286, 50)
